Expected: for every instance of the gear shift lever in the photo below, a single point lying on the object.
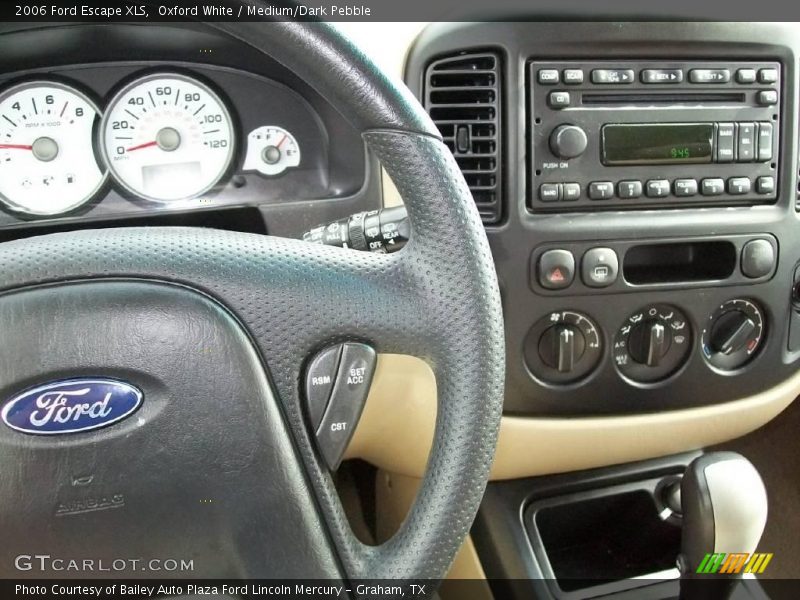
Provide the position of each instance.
(724, 507)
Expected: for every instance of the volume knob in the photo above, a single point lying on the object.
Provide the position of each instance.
(568, 141)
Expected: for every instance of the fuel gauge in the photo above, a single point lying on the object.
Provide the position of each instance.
(271, 150)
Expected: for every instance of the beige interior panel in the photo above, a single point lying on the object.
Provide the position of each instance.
(396, 429)
(394, 495)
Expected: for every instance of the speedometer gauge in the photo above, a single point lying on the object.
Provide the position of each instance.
(47, 161)
(167, 137)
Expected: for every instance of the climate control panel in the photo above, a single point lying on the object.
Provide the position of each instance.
(648, 346)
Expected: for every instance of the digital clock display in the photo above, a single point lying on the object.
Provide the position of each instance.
(657, 144)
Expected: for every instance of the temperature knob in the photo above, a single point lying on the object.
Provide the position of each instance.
(568, 141)
(563, 347)
(652, 343)
(733, 334)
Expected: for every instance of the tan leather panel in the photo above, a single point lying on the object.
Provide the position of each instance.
(396, 429)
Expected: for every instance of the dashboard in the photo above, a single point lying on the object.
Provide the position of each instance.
(638, 184)
(174, 125)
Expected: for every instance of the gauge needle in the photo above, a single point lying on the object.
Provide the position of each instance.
(15, 147)
(283, 139)
(141, 146)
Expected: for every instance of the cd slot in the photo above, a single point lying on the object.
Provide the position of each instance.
(673, 98)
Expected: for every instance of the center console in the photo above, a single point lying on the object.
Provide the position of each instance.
(638, 183)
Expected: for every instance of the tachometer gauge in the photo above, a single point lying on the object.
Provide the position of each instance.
(167, 137)
(47, 161)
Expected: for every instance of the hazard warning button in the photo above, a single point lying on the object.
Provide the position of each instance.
(556, 269)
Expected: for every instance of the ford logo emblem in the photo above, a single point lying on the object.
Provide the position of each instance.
(71, 405)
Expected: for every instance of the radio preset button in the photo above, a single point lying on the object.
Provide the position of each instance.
(685, 187)
(709, 75)
(556, 269)
(713, 187)
(768, 75)
(612, 76)
(629, 189)
(738, 186)
(601, 190)
(765, 184)
(570, 191)
(746, 142)
(767, 97)
(658, 188)
(746, 75)
(662, 76)
(573, 76)
(765, 142)
(558, 99)
(548, 76)
(725, 142)
(549, 192)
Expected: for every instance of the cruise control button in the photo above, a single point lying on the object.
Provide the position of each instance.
(709, 75)
(353, 379)
(629, 189)
(713, 187)
(611, 76)
(320, 377)
(548, 76)
(767, 97)
(726, 135)
(657, 188)
(601, 190)
(558, 99)
(570, 191)
(738, 186)
(765, 142)
(746, 142)
(549, 192)
(662, 76)
(573, 76)
(746, 76)
(765, 184)
(556, 269)
(685, 187)
(599, 267)
(768, 75)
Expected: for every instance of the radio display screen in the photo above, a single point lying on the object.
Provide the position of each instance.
(657, 144)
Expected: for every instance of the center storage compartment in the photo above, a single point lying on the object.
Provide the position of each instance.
(649, 264)
(589, 542)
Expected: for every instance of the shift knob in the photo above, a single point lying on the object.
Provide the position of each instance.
(724, 505)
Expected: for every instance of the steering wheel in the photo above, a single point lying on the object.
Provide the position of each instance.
(217, 465)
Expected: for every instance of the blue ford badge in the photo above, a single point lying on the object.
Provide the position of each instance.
(71, 405)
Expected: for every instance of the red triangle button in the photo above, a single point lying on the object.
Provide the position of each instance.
(556, 276)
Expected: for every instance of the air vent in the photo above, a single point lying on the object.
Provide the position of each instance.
(462, 95)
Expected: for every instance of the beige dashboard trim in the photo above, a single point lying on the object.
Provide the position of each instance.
(396, 429)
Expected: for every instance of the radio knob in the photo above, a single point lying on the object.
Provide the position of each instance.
(568, 141)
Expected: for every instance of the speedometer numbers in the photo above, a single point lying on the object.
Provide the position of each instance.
(47, 161)
(167, 137)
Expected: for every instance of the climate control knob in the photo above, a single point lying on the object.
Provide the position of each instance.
(568, 141)
(653, 343)
(733, 334)
(563, 347)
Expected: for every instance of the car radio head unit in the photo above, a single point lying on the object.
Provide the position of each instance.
(615, 135)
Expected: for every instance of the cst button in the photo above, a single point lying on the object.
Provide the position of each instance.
(556, 269)
(599, 267)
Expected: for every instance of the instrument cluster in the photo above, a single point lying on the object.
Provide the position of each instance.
(163, 137)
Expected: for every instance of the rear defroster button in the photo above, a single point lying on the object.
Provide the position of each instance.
(353, 379)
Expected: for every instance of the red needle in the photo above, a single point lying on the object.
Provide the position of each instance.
(283, 139)
(140, 146)
(15, 147)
